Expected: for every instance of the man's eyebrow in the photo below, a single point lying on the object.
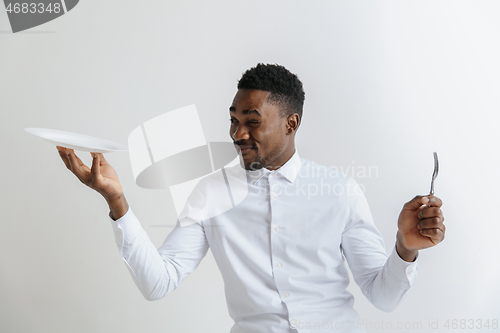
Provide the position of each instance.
(233, 109)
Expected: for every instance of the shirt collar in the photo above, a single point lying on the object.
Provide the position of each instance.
(289, 170)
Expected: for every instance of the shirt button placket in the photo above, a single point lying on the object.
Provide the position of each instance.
(280, 272)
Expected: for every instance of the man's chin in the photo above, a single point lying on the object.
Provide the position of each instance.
(250, 165)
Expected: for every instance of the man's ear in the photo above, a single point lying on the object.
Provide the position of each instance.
(292, 123)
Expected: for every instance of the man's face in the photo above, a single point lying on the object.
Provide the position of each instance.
(258, 130)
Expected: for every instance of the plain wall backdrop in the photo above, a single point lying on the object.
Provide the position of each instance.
(386, 82)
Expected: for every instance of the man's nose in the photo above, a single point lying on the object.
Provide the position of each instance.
(241, 133)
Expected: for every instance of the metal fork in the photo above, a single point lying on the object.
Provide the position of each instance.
(435, 173)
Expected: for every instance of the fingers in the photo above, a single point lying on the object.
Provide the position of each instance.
(433, 222)
(102, 159)
(434, 201)
(91, 177)
(436, 235)
(430, 217)
(73, 163)
(77, 167)
(420, 200)
(64, 156)
(427, 212)
(96, 167)
(416, 202)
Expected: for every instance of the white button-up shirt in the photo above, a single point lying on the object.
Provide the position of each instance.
(281, 250)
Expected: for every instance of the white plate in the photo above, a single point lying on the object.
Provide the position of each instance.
(77, 141)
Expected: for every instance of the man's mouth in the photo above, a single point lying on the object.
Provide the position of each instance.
(245, 149)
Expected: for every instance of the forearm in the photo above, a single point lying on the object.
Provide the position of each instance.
(157, 272)
(145, 264)
(392, 283)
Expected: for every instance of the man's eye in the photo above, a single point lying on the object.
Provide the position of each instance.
(233, 120)
(253, 122)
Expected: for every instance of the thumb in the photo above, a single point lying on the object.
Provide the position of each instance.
(416, 202)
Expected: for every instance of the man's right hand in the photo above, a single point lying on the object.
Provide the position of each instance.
(101, 177)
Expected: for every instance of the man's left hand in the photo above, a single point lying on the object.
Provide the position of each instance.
(420, 226)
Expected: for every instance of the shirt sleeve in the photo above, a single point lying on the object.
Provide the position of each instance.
(157, 272)
(384, 280)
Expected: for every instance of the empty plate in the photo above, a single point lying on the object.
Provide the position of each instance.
(77, 141)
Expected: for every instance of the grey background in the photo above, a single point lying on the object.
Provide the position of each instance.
(387, 83)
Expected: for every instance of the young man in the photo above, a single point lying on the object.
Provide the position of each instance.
(281, 250)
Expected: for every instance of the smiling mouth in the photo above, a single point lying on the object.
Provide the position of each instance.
(244, 149)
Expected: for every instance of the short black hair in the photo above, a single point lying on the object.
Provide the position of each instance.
(285, 87)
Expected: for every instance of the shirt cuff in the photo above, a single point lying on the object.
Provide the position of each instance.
(402, 270)
(126, 229)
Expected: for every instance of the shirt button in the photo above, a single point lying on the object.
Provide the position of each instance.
(275, 196)
(278, 264)
(276, 228)
(286, 295)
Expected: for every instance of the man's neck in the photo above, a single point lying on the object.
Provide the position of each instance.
(276, 167)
